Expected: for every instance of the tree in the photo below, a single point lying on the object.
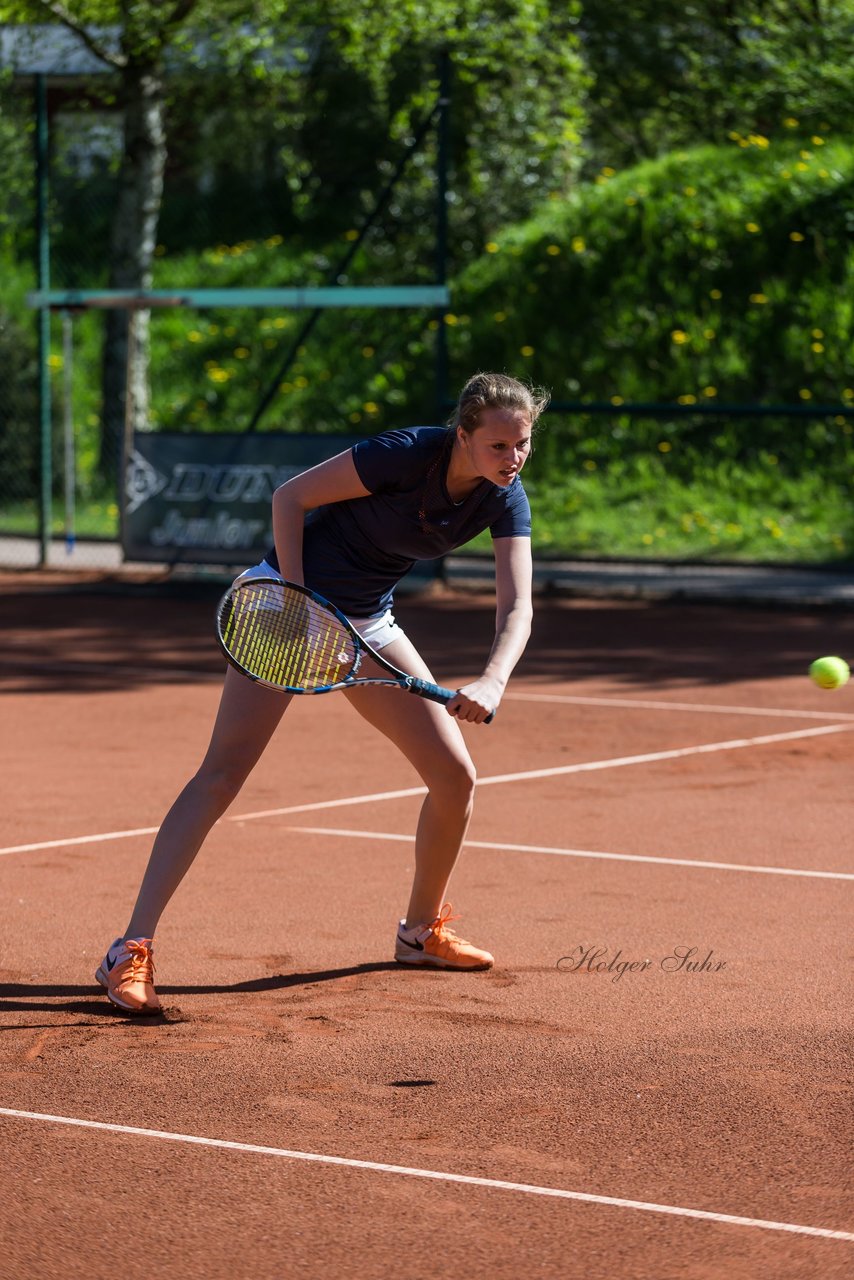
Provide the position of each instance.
(674, 74)
(520, 83)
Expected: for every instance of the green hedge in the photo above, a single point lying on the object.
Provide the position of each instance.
(715, 274)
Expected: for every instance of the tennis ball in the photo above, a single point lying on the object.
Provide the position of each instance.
(829, 673)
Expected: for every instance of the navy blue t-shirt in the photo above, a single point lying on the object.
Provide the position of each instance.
(355, 552)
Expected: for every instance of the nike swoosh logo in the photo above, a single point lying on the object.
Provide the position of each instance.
(416, 946)
(110, 964)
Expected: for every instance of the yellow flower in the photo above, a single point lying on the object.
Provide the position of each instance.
(679, 336)
(647, 539)
(817, 333)
(664, 446)
(589, 464)
(790, 122)
(630, 200)
(848, 393)
(689, 191)
(355, 417)
(553, 250)
(54, 362)
(608, 171)
(709, 335)
(805, 394)
(526, 351)
(577, 244)
(786, 173)
(752, 227)
(686, 400)
(194, 336)
(817, 347)
(758, 298)
(370, 407)
(492, 247)
(241, 352)
(805, 155)
(617, 400)
(796, 236)
(710, 391)
(219, 375)
(715, 293)
(817, 141)
(280, 322)
(801, 167)
(450, 318)
(500, 317)
(272, 241)
(822, 173)
(367, 352)
(301, 382)
(351, 235)
(760, 141)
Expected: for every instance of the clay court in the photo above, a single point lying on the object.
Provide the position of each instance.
(661, 777)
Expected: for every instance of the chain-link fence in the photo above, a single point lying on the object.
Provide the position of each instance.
(196, 371)
(680, 483)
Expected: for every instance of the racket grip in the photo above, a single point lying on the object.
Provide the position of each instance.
(436, 693)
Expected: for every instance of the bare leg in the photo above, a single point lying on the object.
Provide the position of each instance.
(247, 718)
(433, 743)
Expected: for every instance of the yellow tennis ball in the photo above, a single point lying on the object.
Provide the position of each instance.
(829, 673)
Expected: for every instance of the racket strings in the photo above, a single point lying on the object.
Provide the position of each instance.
(282, 637)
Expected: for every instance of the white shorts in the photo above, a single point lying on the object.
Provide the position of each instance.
(377, 632)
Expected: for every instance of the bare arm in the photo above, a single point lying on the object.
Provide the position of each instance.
(333, 481)
(513, 614)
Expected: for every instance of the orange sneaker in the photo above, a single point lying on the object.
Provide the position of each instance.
(438, 947)
(127, 975)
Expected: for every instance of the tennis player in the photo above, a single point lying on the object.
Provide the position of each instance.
(350, 529)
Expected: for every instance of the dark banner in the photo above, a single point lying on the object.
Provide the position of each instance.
(205, 499)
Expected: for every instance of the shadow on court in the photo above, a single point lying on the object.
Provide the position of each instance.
(27, 997)
(88, 640)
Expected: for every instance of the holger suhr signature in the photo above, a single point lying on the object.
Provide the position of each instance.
(681, 959)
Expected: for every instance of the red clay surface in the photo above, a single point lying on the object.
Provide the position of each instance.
(727, 1091)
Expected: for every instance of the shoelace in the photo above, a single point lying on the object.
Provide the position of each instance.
(141, 961)
(439, 926)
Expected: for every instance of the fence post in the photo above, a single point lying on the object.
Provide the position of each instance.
(442, 150)
(43, 276)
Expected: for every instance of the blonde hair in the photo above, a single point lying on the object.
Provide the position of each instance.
(496, 391)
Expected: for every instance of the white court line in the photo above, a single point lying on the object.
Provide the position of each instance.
(492, 1184)
(644, 704)
(585, 853)
(564, 770)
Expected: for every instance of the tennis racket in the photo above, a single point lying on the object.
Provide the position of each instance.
(289, 638)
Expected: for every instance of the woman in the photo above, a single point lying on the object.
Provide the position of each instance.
(350, 529)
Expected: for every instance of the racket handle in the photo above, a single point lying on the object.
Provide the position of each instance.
(436, 693)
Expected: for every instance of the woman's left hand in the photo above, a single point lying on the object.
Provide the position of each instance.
(475, 701)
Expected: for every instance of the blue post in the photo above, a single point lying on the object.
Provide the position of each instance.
(43, 275)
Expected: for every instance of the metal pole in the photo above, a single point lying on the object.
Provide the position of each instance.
(442, 148)
(127, 440)
(43, 321)
(70, 466)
